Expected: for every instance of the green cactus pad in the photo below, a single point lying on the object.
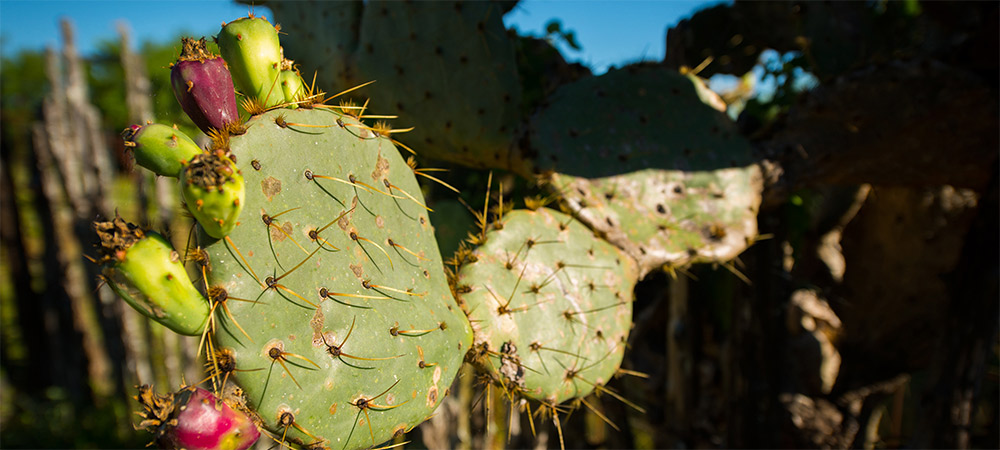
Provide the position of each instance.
(322, 36)
(251, 49)
(328, 249)
(449, 70)
(161, 148)
(145, 271)
(213, 190)
(550, 304)
(665, 177)
(446, 68)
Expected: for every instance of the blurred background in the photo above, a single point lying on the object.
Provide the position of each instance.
(867, 318)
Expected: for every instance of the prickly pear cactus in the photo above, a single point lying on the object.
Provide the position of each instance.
(550, 304)
(667, 178)
(329, 304)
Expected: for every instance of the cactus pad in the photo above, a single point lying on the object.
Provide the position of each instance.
(337, 309)
(446, 68)
(667, 178)
(551, 305)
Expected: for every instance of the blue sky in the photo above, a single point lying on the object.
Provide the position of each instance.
(610, 32)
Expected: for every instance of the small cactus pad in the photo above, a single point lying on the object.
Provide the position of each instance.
(145, 271)
(337, 310)
(550, 304)
(292, 87)
(666, 178)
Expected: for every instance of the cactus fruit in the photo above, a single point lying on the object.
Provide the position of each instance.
(345, 305)
(213, 188)
(251, 49)
(145, 271)
(194, 419)
(204, 88)
(669, 180)
(550, 303)
(292, 87)
(160, 148)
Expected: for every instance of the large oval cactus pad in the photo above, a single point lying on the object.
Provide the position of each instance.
(326, 213)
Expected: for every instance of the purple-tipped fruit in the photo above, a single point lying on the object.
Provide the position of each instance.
(204, 87)
(194, 419)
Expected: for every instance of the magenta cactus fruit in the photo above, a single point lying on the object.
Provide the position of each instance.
(195, 419)
(204, 87)
(160, 148)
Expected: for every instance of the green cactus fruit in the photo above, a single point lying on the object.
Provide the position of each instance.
(251, 49)
(550, 304)
(145, 271)
(292, 87)
(160, 148)
(340, 292)
(667, 178)
(213, 189)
